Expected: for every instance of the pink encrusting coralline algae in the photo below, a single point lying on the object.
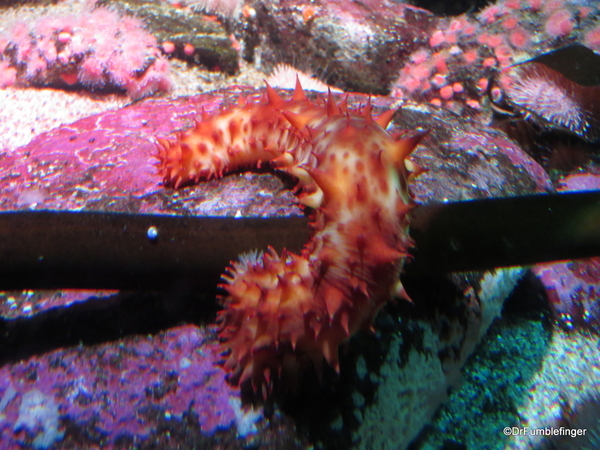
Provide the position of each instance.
(111, 394)
(97, 48)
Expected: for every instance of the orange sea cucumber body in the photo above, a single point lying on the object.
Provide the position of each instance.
(282, 311)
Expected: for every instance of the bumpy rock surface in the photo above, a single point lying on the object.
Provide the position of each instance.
(359, 46)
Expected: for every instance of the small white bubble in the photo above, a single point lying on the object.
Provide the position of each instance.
(152, 233)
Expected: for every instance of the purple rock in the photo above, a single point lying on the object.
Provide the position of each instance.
(580, 182)
(573, 287)
(107, 162)
(465, 160)
(573, 290)
(120, 390)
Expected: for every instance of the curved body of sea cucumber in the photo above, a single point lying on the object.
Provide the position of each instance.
(282, 311)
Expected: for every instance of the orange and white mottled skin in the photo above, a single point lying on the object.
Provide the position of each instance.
(282, 311)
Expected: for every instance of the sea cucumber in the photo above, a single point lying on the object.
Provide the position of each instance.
(284, 312)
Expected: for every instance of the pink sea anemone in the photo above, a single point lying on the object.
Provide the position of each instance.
(98, 48)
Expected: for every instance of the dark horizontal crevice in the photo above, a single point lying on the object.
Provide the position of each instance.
(106, 319)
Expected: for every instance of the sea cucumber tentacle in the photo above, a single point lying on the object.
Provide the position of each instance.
(284, 311)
